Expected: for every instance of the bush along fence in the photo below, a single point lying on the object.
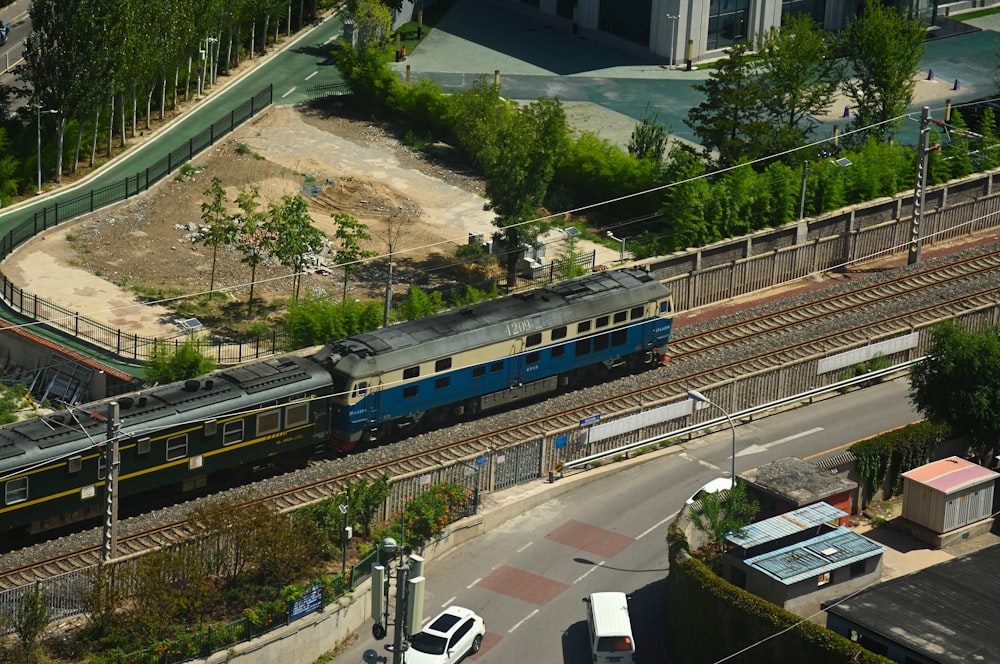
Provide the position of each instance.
(256, 621)
(127, 346)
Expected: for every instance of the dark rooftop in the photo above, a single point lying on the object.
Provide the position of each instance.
(797, 481)
(946, 612)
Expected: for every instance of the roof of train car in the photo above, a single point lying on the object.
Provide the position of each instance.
(65, 432)
(486, 323)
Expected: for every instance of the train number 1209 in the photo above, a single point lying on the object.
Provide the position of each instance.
(518, 327)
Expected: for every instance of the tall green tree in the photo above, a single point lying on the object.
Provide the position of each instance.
(649, 138)
(883, 49)
(799, 75)
(474, 116)
(722, 513)
(291, 225)
(732, 121)
(531, 143)
(253, 240)
(349, 234)
(958, 382)
(221, 230)
(69, 58)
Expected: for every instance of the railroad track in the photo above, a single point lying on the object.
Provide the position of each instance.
(827, 316)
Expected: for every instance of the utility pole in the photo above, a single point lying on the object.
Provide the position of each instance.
(409, 609)
(920, 188)
(109, 548)
(802, 190)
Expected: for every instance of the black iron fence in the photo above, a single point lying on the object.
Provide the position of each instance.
(127, 346)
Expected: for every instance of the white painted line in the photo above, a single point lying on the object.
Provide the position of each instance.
(524, 547)
(449, 601)
(471, 585)
(288, 93)
(655, 526)
(526, 619)
(757, 449)
(587, 573)
(794, 436)
(311, 75)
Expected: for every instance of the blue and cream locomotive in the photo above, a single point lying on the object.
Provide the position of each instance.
(362, 389)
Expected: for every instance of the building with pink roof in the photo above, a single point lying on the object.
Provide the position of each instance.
(949, 494)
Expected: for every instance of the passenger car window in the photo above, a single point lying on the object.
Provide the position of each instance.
(459, 633)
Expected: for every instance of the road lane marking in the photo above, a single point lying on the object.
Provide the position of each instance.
(587, 573)
(655, 526)
(521, 550)
(449, 601)
(526, 619)
(757, 449)
(311, 75)
(471, 585)
(288, 93)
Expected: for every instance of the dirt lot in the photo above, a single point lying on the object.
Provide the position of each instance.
(337, 163)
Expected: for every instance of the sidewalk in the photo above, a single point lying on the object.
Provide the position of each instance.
(535, 58)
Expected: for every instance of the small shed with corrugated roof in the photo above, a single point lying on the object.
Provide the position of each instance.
(948, 494)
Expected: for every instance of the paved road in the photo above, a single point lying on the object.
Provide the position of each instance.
(527, 579)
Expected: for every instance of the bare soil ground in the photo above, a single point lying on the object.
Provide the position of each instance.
(337, 162)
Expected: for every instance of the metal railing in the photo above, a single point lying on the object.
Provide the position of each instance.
(127, 346)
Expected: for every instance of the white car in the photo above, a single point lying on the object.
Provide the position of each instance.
(448, 638)
(716, 485)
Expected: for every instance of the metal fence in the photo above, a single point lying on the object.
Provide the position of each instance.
(128, 346)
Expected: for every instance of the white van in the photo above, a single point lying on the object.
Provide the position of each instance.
(611, 639)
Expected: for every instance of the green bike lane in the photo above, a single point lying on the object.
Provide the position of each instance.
(299, 65)
(293, 70)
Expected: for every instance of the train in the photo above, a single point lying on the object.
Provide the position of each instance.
(359, 391)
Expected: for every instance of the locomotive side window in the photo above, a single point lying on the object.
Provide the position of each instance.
(558, 351)
(442, 383)
(601, 342)
(177, 447)
(411, 372)
(232, 432)
(602, 321)
(621, 316)
(360, 389)
(142, 445)
(75, 463)
(268, 422)
(636, 313)
(618, 338)
(496, 366)
(296, 415)
(443, 365)
(583, 327)
(533, 339)
(478, 372)
(582, 347)
(532, 357)
(410, 392)
(665, 306)
(16, 491)
(559, 333)
(211, 427)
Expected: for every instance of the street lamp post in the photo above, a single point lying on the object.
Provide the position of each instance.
(698, 396)
(673, 33)
(38, 108)
(621, 256)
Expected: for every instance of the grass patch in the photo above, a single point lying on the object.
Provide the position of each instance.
(965, 16)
